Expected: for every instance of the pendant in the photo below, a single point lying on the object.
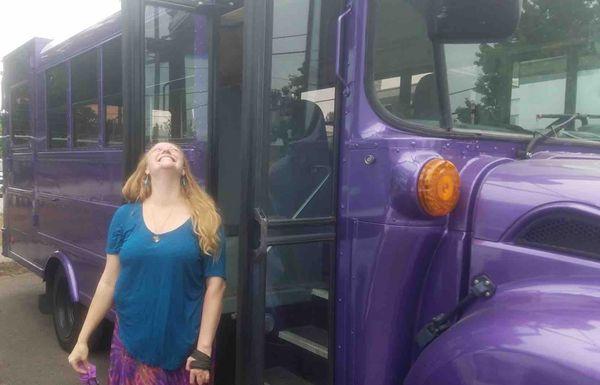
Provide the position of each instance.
(155, 238)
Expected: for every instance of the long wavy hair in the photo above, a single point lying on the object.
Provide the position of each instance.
(206, 218)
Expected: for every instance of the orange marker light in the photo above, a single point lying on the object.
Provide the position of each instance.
(438, 187)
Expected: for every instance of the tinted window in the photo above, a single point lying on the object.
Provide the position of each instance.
(113, 96)
(84, 93)
(56, 106)
(19, 114)
(176, 75)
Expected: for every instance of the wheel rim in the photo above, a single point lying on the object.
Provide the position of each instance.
(65, 311)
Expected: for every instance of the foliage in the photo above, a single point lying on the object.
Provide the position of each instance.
(283, 101)
(548, 28)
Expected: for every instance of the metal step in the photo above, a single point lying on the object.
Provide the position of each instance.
(309, 337)
(321, 293)
(281, 376)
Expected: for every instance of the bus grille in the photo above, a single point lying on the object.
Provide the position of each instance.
(565, 232)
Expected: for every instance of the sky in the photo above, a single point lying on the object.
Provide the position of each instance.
(52, 19)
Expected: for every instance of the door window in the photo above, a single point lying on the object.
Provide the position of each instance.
(301, 109)
(177, 75)
(300, 186)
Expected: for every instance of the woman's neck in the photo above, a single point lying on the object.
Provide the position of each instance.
(166, 190)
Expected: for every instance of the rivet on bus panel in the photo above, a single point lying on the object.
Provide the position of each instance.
(369, 159)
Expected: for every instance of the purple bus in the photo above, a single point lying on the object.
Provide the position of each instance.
(410, 188)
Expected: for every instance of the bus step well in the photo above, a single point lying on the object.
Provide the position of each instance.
(310, 338)
(281, 376)
(320, 293)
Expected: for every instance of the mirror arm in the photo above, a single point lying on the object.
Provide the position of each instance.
(441, 79)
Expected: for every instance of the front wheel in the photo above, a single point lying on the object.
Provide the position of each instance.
(67, 315)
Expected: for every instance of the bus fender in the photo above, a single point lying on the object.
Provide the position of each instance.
(56, 260)
(535, 332)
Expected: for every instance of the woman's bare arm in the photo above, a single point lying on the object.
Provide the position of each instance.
(101, 303)
(103, 298)
(211, 313)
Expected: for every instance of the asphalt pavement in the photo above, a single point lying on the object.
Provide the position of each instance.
(29, 352)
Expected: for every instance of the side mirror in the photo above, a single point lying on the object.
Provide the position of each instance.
(471, 21)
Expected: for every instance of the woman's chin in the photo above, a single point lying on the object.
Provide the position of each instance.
(164, 166)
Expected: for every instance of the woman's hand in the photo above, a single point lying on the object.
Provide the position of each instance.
(79, 357)
(197, 376)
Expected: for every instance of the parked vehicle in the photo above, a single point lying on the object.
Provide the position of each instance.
(410, 188)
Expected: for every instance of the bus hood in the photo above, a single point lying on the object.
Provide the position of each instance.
(514, 189)
(531, 332)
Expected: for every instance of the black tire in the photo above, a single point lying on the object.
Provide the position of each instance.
(67, 315)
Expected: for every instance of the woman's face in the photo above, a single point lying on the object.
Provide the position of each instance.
(165, 155)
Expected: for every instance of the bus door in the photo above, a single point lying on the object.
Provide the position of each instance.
(271, 162)
(287, 237)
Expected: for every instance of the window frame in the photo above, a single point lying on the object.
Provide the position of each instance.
(405, 125)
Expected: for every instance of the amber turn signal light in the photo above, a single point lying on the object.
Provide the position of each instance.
(438, 187)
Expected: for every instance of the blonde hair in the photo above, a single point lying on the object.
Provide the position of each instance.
(206, 219)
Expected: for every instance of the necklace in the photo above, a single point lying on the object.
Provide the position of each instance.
(156, 237)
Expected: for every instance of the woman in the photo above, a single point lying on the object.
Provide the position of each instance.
(165, 270)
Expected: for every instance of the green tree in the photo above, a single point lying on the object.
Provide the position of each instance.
(548, 28)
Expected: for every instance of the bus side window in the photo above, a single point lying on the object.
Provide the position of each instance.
(84, 94)
(56, 106)
(20, 113)
(112, 92)
(403, 81)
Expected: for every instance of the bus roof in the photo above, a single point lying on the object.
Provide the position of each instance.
(59, 50)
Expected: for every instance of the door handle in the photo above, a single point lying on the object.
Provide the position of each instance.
(263, 225)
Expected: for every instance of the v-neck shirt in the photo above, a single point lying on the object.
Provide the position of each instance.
(160, 289)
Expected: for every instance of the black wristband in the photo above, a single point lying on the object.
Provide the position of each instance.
(200, 360)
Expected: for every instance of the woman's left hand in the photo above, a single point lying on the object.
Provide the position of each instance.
(197, 376)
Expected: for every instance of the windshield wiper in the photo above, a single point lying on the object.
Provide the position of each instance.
(584, 118)
(562, 120)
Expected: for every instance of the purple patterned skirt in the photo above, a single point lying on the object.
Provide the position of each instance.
(125, 370)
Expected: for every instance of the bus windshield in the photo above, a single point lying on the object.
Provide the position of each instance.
(546, 76)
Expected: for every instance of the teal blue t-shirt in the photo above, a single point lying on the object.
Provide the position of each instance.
(160, 288)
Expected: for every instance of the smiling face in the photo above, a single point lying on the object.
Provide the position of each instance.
(164, 155)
